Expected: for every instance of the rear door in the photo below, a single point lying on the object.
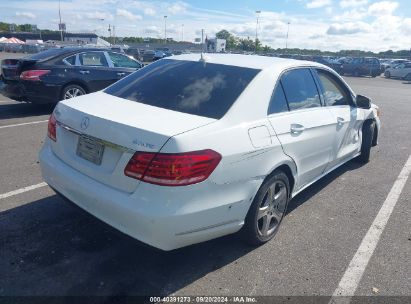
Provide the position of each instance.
(306, 131)
(93, 68)
(347, 119)
(122, 65)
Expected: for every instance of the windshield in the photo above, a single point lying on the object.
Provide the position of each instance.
(191, 87)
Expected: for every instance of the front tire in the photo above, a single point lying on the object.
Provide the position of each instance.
(367, 141)
(267, 210)
(387, 75)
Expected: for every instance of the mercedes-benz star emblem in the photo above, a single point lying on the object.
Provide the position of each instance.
(84, 123)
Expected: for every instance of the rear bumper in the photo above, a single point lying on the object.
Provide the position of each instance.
(34, 93)
(159, 216)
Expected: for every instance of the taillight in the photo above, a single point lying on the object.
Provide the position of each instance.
(51, 128)
(33, 75)
(172, 169)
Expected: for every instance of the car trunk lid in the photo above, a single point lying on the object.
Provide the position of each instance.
(122, 127)
(12, 68)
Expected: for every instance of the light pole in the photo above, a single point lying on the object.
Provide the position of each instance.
(256, 29)
(60, 24)
(165, 29)
(182, 32)
(286, 38)
(109, 31)
(98, 29)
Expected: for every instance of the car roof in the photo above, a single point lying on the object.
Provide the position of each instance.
(247, 61)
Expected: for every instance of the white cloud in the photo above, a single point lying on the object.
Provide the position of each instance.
(99, 15)
(348, 28)
(354, 14)
(318, 3)
(383, 8)
(177, 8)
(128, 15)
(149, 11)
(406, 26)
(352, 3)
(26, 15)
(152, 30)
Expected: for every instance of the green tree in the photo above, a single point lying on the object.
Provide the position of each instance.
(231, 40)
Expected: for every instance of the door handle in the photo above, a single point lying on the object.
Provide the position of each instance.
(84, 72)
(297, 128)
(340, 120)
(121, 74)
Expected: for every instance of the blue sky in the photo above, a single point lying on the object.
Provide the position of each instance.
(323, 24)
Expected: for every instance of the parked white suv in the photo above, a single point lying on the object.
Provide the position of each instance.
(195, 147)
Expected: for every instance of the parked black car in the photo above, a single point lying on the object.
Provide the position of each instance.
(57, 74)
(334, 64)
(148, 56)
(135, 53)
(362, 66)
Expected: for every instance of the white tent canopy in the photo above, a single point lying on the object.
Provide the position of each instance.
(13, 40)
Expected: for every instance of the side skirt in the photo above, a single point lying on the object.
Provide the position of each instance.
(324, 174)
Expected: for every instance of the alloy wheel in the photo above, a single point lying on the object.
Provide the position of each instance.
(73, 92)
(271, 209)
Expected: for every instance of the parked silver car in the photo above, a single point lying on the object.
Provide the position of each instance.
(402, 71)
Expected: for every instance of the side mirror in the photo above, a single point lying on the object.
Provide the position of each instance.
(363, 102)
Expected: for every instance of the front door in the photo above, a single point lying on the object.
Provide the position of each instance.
(307, 130)
(346, 121)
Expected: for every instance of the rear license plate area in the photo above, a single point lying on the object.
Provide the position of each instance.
(90, 149)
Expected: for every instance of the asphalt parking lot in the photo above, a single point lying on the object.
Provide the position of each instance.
(51, 247)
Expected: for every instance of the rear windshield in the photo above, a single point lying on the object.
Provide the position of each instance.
(45, 54)
(192, 87)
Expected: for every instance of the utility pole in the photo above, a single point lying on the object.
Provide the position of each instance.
(165, 29)
(109, 32)
(60, 24)
(102, 21)
(286, 38)
(202, 40)
(256, 30)
(114, 35)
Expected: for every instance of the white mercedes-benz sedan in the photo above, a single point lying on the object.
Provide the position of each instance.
(194, 147)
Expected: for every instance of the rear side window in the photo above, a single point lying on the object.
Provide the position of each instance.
(278, 102)
(93, 59)
(192, 87)
(300, 89)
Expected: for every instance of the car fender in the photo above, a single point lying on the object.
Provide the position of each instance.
(78, 82)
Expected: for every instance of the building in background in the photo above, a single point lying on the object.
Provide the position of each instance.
(216, 45)
(69, 38)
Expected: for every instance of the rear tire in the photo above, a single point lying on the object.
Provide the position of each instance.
(357, 73)
(267, 210)
(387, 75)
(72, 90)
(407, 77)
(367, 141)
